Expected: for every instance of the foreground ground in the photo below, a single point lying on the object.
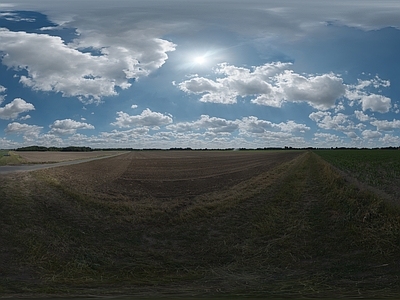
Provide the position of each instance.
(197, 223)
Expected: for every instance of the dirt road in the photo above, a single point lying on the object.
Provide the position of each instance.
(34, 167)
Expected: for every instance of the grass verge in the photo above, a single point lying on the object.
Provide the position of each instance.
(10, 158)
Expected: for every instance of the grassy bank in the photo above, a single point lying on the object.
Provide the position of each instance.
(10, 158)
(378, 168)
(297, 230)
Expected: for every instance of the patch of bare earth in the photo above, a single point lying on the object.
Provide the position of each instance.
(169, 175)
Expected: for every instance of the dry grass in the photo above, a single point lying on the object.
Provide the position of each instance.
(293, 229)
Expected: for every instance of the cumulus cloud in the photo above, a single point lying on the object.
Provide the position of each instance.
(385, 125)
(363, 92)
(326, 137)
(247, 126)
(376, 103)
(292, 126)
(212, 124)
(361, 116)
(254, 125)
(24, 129)
(270, 84)
(14, 108)
(352, 135)
(217, 125)
(68, 126)
(147, 118)
(370, 134)
(339, 122)
(121, 137)
(273, 84)
(52, 65)
(25, 117)
(389, 139)
(2, 91)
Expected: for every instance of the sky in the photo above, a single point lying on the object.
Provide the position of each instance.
(199, 73)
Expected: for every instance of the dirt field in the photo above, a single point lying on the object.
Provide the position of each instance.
(53, 156)
(140, 176)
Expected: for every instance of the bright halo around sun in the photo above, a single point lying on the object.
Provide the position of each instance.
(199, 60)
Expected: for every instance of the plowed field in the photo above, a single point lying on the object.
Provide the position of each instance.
(138, 176)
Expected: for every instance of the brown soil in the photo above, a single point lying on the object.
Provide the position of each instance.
(165, 175)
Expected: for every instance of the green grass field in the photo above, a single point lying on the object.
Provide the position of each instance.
(3, 158)
(298, 230)
(9, 158)
(376, 168)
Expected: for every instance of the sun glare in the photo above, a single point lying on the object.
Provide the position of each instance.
(200, 60)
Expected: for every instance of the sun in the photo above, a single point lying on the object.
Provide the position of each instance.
(199, 60)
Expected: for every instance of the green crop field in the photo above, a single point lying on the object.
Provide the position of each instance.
(377, 168)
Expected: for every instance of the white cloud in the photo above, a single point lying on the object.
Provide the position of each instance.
(134, 106)
(326, 137)
(339, 107)
(317, 116)
(68, 126)
(8, 144)
(147, 118)
(217, 125)
(385, 125)
(361, 93)
(369, 134)
(25, 129)
(361, 116)
(339, 122)
(2, 90)
(391, 140)
(51, 65)
(352, 135)
(254, 125)
(25, 117)
(248, 126)
(377, 103)
(320, 91)
(292, 126)
(212, 124)
(269, 84)
(15, 17)
(14, 108)
(49, 140)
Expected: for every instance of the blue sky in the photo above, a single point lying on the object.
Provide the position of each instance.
(200, 74)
